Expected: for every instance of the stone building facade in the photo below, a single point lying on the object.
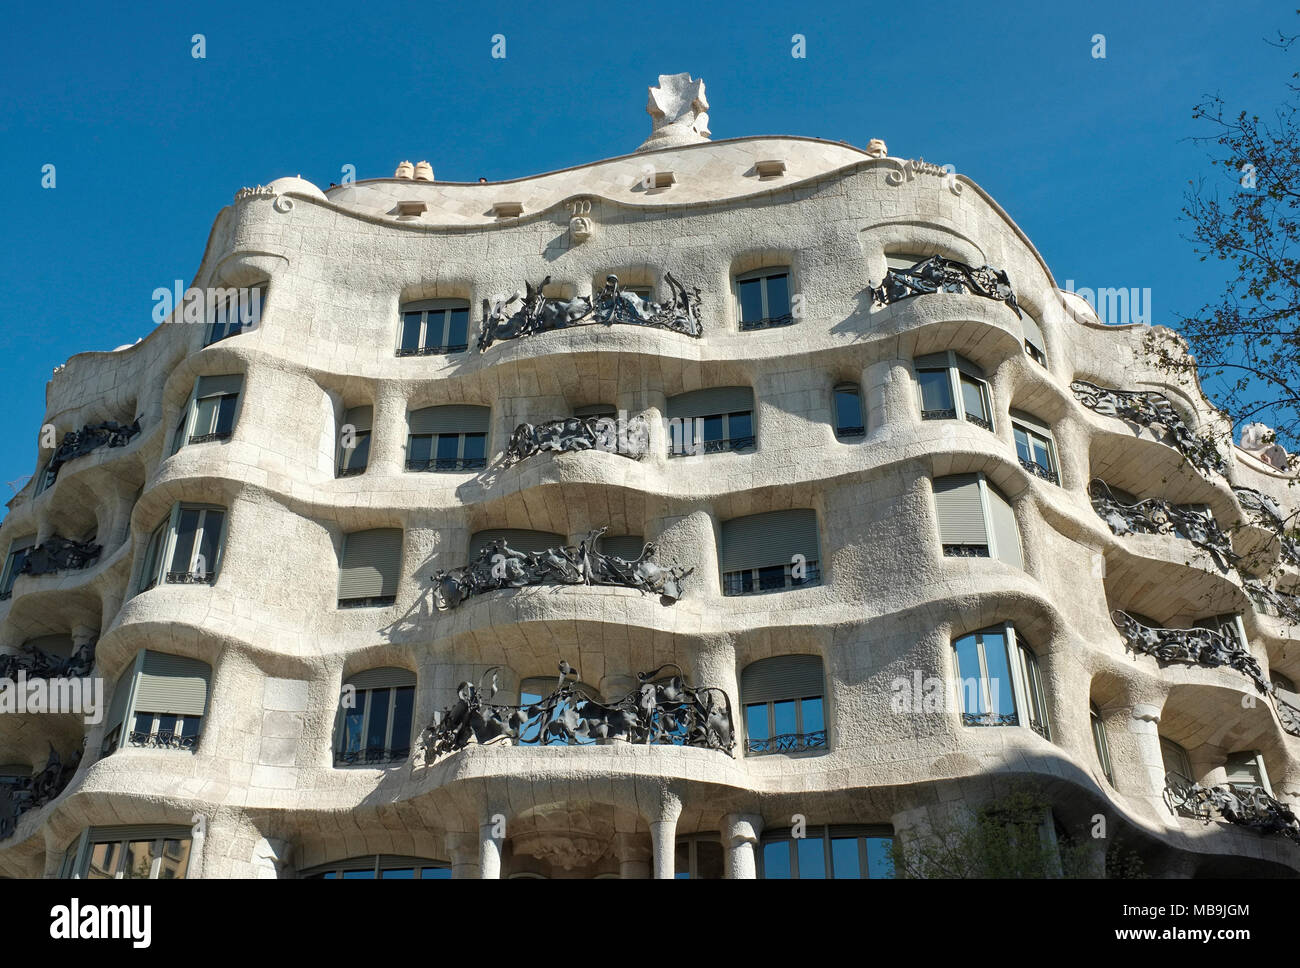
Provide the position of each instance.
(936, 531)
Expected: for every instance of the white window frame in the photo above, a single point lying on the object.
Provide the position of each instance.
(209, 336)
(10, 572)
(1260, 769)
(185, 427)
(340, 729)
(987, 511)
(43, 476)
(762, 275)
(167, 546)
(1101, 743)
(1019, 677)
(1041, 433)
(955, 373)
(814, 563)
(442, 347)
(460, 452)
(694, 423)
(76, 859)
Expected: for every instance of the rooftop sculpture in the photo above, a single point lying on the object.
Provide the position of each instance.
(679, 111)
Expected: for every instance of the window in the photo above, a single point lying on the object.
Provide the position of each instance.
(711, 421)
(210, 414)
(945, 378)
(354, 445)
(43, 476)
(434, 326)
(186, 548)
(998, 677)
(975, 520)
(848, 411)
(903, 260)
(123, 853)
(158, 702)
(14, 562)
(826, 853)
(376, 726)
(452, 438)
(1175, 759)
(382, 867)
(770, 552)
(531, 693)
(1246, 772)
(1100, 744)
(699, 858)
(1034, 447)
(1034, 344)
(784, 704)
(369, 568)
(238, 311)
(763, 298)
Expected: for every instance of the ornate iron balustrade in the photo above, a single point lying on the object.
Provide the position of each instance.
(979, 421)
(1269, 515)
(1250, 807)
(937, 274)
(372, 754)
(766, 323)
(499, 566)
(965, 551)
(209, 438)
(1288, 714)
(787, 743)
(1038, 470)
(78, 443)
(1211, 648)
(164, 739)
(1273, 602)
(947, 413)
(1040, 728)
(851, 432)
(990, 719)
(374, 601)
(29, 793)
(719, 446)
(447, 464)
(569, 434)
(1151, 409)
(350, 471)
(189, 578)
(432, 350)
(1156, 516)
(59, 554)
(39, 664)
(537, 313)
(660, 711)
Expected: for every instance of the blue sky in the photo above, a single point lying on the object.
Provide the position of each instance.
(1088, 155)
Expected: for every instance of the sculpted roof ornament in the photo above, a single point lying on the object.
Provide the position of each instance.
(679, 110)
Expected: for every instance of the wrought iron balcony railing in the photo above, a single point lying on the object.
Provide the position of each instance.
(1245, 806)
(1211, 648)
(787, 743)
(851, 432)
(29, 793)
(662, 710)
(373, 601)
(966, 551)
(351, 471)
(39, 664)
(947, 413)
(1156, 516)
(372, 755)
(979, 421)
(432, 350)
(1150, 409)
(720, 446)
(78, 443)
(209, 438)
(990, 719)
(747, 326)
(1268, 514)
(937, 274)
(59, 554)
(447, 464)
(1038, 470)
(189, 578)
(572, 434)
(164, 739)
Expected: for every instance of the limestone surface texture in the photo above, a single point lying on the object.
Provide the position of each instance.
(337, 267)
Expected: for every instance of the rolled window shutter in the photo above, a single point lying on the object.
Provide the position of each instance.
(359, 417)
(140, 832)
(967, 367)
(371, 564)
(454, 419)
(766, 540)
(425, 305)
(172, 684)
(1033, 334)
(782, 677)
(1243, 768)
(59, 644)
(714, 400)
(121, 696)
(1031, 422)
(903, 260)
(626, 546)
(930, 360)
(961, 513)
(16, 769)
(1005, 533)
(528, 542)
(388, 677)
(216, 385)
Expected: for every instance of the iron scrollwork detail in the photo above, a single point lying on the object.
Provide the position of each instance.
(937, 274)
(59, 554)
(659, 711)
(1156, 516)
(1207, 647)
(497, 566)
(533, 312)
(1268, 514)
(39, 664)
(29, 793)
(78, 443)
(1251, 808)
(1148, 408)
(576, 434)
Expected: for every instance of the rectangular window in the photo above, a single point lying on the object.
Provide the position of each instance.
(838, 853)
(434, 327)
(129, 853)
(848, 411)
(936, 395)
(18, 549)
(354, 441)
(984, 679)
(1035, 451)
(764, 299)
(946, 379)
(369, 568)
(240, 311)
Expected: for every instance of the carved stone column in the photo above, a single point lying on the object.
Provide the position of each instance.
(740, 833)
(463, 849)
(663, 838)
(633, 855)
(489, 851)
(388, 430)
(1145, 727)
